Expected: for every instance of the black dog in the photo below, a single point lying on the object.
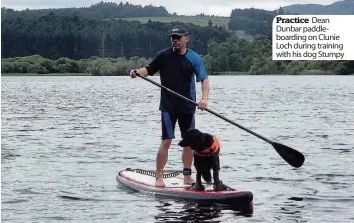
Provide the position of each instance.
(206, 157)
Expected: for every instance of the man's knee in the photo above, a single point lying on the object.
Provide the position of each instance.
(166, 143)
(187, 149)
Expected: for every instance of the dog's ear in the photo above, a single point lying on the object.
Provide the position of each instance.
(208, 140)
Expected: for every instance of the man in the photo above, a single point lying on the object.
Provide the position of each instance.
(177, 66)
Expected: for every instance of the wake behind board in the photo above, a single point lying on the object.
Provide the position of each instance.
(143, 180)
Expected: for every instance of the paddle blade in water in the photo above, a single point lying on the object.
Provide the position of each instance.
(290, 155)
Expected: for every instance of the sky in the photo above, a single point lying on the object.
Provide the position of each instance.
(181, 7)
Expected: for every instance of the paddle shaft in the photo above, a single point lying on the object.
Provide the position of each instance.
(212, 112)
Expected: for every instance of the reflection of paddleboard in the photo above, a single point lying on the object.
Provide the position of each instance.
(142, 180)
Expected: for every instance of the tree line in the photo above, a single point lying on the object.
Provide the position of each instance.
(73, 44)
(224, 57)
(255, 57)
(54, 36)
(94, 65)
(253, 21)
(98, 11)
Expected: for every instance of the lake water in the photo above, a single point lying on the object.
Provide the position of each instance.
(64, 139)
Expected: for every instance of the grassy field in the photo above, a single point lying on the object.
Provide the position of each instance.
(197, 20)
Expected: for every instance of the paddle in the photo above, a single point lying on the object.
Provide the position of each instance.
(290, 155)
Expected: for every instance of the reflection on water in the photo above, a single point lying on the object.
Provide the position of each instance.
(188, 211)
(290, 211)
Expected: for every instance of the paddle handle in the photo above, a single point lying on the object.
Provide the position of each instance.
(212, 112)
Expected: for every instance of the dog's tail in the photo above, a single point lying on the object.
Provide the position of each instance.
(207, 176)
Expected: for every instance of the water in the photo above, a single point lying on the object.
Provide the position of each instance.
(65, 138)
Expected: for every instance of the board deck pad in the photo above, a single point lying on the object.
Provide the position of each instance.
(172, 182)
(144, 180)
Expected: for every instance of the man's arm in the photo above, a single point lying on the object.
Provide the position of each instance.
(150, 69)
(202, 76)
(142, 71)
(205, 89)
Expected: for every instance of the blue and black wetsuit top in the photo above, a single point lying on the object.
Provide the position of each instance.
(177, 73)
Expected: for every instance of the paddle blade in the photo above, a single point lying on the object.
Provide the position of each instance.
(290, 155)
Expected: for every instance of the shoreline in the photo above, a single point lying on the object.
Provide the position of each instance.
(43, 75)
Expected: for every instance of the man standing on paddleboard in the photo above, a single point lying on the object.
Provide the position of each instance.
(177, 66)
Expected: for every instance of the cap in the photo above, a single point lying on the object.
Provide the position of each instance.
(178, 31)
(190, 137)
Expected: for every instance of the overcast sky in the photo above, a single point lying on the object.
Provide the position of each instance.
(181, 7)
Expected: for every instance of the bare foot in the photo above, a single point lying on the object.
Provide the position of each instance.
(159, 182)
(188, 180)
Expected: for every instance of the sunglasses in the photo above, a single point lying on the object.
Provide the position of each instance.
(176, 37)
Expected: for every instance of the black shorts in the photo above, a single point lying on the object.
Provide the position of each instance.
(168, 120)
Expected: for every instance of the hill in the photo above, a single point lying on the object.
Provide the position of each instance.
(103, 42)
(345, 7)
(98, 11)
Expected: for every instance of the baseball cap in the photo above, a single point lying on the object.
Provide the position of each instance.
(178, 31)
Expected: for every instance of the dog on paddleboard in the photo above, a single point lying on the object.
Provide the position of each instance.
(206, 149)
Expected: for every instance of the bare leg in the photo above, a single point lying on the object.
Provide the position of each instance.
(161, 160)
(187, 159)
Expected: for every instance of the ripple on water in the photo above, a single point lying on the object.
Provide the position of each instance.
(65, 138)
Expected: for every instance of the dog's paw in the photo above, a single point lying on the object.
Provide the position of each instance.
(224, 187)
(198, 187)
(220, 186)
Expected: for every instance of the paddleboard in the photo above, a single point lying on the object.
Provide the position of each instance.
(144, 181)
